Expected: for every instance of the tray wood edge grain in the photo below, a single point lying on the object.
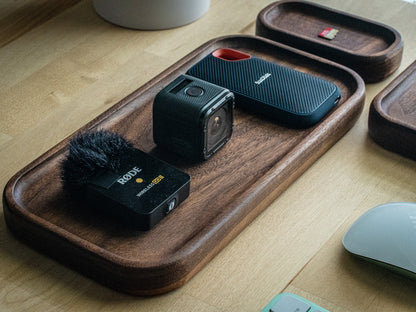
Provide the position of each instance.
(389, 132)
(262, 198)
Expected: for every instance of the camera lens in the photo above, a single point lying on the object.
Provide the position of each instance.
(219, 127)
(214, 127)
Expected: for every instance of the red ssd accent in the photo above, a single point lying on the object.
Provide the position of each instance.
(230, 55)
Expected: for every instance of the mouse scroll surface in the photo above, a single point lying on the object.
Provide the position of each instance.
(386, 234)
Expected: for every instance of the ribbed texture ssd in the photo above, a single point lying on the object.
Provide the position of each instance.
(279, 92)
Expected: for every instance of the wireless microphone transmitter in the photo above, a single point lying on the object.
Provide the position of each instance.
(294, 98)
(110, 175)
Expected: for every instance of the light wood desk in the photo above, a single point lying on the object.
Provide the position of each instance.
(61, 65)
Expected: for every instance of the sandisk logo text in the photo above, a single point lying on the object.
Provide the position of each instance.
(127, 177)
(262, 78)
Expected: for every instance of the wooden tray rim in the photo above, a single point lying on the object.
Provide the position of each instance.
(397, 43)
(391, 87)
(355, 99)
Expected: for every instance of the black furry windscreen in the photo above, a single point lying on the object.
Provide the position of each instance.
(89, 153)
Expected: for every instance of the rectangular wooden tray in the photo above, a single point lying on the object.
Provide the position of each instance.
(392, 117)
(227, 192)
(372, 49)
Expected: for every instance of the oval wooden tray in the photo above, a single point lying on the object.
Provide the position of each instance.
(392, 117)
(372, 49)
(227, 192)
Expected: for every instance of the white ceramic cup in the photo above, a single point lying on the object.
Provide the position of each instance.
(151, 14)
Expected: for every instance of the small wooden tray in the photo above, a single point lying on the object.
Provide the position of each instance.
(372, 49)
(227, 192)
(392, 117)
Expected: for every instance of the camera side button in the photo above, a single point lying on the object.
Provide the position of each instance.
(194, 91)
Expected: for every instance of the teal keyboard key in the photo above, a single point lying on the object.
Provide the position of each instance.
(287, 302)
(290, 304)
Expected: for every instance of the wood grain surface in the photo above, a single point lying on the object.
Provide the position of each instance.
(392, 116)
(227, 192)
(372, 49)
(19, 17)
(60, 75)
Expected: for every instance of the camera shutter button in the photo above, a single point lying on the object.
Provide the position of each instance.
(194, 91)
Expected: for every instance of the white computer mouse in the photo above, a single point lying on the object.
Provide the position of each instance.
(386, 235)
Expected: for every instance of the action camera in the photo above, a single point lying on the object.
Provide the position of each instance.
(192, 117)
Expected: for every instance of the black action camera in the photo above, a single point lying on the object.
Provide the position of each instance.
(192, 117)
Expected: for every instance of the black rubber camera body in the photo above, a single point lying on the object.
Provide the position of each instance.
(192, 117)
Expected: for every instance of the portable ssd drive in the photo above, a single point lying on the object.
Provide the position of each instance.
(284, 94)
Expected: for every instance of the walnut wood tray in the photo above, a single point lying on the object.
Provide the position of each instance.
(227, 192)
(372, 49)
(392, 117)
